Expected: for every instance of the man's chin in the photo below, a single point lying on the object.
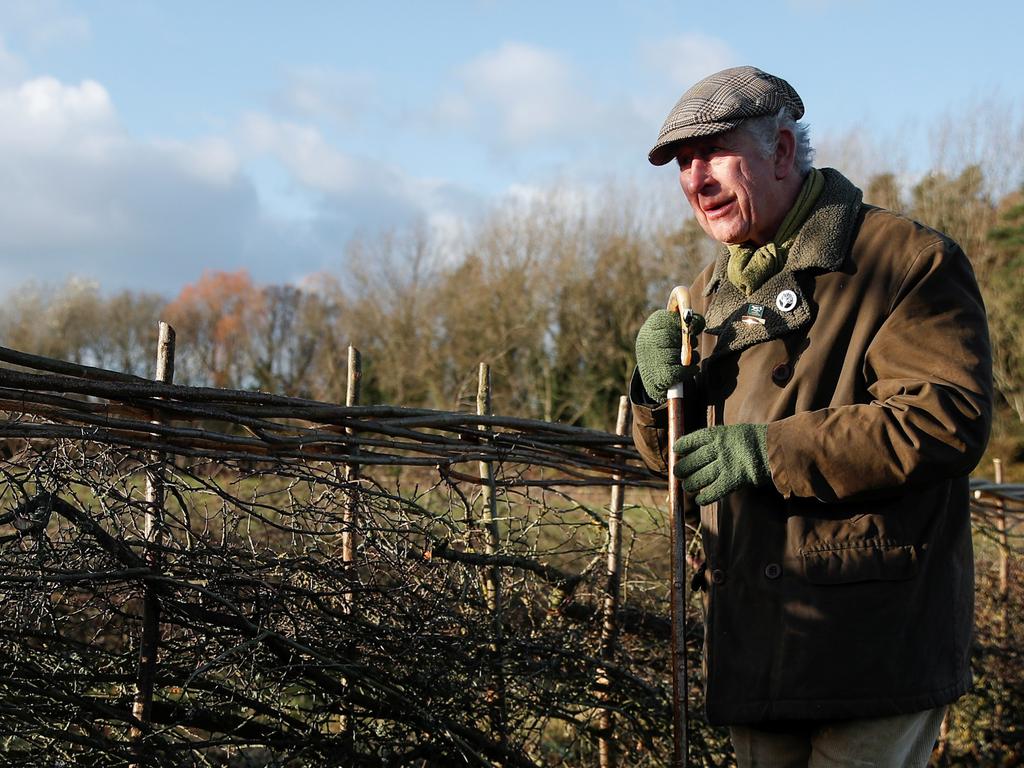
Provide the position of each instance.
(726, 235)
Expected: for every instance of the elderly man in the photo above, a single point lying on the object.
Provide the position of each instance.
(842, 394)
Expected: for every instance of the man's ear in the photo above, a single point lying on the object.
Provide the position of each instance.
(785, 154)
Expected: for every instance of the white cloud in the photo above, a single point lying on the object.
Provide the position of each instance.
(81, 197)
(348, 193)
(685, 59)
(42, 23)
(518, 94)
(677, 63)
(47, 116)
(572, 199)
(12, 68)
(455, 109)
(819, 6)
(303, 150)
(341, 98)
(212, 160)
(539, 116)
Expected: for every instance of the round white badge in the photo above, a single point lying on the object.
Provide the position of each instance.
(786, 301)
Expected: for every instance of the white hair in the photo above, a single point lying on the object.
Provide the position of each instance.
(765, 130)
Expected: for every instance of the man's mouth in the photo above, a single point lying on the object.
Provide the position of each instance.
(718, 208)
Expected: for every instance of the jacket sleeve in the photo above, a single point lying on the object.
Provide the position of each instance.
(650, 427)
(929, 376)
(650, 421)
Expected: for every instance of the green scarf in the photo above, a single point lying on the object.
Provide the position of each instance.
(749, 268)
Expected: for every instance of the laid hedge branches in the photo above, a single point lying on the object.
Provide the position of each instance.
(430, 646)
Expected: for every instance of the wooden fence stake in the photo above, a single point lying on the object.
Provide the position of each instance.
(1004, 553)
(154, 536)
(350, 516)
(349, 536)
(609, 627)
(490, 516)
(492, 574)
(1004, 588)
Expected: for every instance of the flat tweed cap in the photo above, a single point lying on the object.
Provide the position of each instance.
(719, 103)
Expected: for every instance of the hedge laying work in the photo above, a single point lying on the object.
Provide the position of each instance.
(196, 576)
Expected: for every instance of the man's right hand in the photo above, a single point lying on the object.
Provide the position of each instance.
(657, 352)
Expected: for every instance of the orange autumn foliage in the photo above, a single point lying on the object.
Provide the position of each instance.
(213, 318)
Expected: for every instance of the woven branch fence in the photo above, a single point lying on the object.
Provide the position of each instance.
(196, 576)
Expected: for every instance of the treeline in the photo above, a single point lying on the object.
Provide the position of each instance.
(549, 294)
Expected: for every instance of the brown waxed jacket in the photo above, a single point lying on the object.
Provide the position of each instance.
(845, 589)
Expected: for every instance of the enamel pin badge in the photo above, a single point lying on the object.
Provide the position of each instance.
(786, 301)
(754, 315)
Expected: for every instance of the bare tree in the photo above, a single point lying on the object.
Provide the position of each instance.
(1004, 295)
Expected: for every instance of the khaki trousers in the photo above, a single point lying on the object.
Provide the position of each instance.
(903, 741)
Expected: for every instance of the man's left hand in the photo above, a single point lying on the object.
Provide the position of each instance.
(716, 461)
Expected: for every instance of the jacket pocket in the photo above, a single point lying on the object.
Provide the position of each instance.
(847, 562)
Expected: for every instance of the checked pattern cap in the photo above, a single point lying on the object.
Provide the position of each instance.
(719, 103)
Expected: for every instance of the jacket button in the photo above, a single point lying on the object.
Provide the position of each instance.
(718, 576)
(781, 373)
(773, 570)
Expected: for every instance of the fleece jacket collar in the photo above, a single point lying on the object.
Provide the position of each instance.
(783, 304)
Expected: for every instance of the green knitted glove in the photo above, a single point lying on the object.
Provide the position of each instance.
(657, 352)
(719, 460)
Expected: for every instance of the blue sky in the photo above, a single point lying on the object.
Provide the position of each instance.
(143, 142)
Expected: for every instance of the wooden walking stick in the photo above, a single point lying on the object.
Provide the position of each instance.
(678, 301)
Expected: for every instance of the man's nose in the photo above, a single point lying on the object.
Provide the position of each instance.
(696, 175)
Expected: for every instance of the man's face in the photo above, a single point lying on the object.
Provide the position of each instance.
(732, 187)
